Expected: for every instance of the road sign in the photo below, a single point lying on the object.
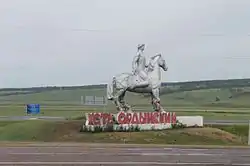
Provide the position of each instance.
(33, 109)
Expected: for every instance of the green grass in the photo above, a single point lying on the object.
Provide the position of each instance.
(47, 131)
(75, 111)
(23, 130)
(219, 100)
(240, 130)
(233, 103)
(195, 98)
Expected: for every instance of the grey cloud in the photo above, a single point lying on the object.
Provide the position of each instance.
(65, 41)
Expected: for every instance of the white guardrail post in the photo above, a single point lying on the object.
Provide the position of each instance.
(249, 133)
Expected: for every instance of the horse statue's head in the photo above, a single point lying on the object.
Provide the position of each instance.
(158, 60)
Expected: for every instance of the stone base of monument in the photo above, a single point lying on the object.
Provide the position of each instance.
(138, 121)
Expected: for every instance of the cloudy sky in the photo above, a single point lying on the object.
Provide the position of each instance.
(75, 42)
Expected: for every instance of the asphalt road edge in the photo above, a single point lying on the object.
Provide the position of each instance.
(111, 145)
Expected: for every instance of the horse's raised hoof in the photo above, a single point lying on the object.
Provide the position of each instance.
(129, 111)
(163, 111)
(120, 109)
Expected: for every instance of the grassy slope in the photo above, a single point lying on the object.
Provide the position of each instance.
(201, 98)
(188, 98)
(191, 98)
(69, 131)
(200, 93)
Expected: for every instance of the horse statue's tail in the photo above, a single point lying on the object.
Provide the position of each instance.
(110, 89)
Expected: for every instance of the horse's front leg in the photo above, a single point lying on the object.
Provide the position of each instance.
(152, 101)
(117, 104)
(156, 101)
(125, 105)
(117, 100)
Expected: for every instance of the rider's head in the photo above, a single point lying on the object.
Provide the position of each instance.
(141, 47)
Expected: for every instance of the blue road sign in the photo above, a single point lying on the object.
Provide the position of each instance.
(33, 108)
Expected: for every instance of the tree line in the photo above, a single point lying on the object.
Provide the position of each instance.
(167, 87)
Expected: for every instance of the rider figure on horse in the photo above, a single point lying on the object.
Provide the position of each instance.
(139, 66)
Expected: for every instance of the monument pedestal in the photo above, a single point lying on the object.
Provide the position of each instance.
(124, 121)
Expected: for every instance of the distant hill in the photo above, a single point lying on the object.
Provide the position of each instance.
(167, 87)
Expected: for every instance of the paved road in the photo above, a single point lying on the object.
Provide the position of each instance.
(49, 154)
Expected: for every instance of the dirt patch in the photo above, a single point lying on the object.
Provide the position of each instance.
(70, 131)
(215, 133)
(66, 131)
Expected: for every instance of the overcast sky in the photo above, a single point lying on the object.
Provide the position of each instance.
(76, 42)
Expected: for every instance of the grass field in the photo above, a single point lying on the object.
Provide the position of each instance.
(216, 101)
(48, 131)
(72, 111)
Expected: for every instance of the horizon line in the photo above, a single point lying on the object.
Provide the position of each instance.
(171, 82)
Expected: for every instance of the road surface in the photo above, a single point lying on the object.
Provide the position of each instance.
(105, 155)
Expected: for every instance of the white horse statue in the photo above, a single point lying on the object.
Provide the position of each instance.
(123, 82)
